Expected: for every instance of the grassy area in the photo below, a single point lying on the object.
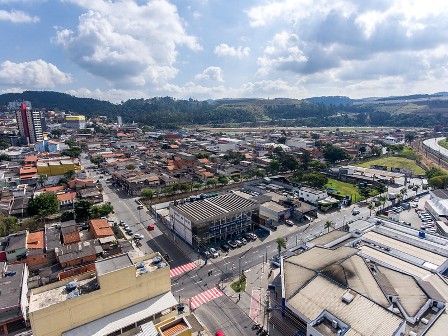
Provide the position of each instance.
(238, 286)
(394, 161)
(443, 143)
(345, 188)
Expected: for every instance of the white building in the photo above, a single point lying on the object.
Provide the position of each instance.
(437, 205)
(311, 195)
(300, 143)
(228, 144)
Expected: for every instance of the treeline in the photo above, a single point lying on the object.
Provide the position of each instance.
(167, 112)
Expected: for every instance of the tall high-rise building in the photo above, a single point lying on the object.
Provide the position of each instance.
(31, 123)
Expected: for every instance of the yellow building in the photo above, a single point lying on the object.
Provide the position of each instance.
(119, 296)
(57, 167)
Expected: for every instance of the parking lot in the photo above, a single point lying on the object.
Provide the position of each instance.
(417, 217)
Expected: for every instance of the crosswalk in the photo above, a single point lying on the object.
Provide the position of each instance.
(204, 297)
(182, 269)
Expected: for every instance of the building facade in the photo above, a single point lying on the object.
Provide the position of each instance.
(213, 217)
(31, 123)
(75, 121)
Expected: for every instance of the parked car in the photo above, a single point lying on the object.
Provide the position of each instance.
(232, 244)
(207, 254)
(238, 242)
(276, 261)
(213, 252)
(129, 231)
(355, 212)
(243, 240)
(225, 248)
(138, 236)
(289, 222)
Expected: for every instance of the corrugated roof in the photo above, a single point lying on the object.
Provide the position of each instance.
(411, 297)
(318, 258)
(362, 315)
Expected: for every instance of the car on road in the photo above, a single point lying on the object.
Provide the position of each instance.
(138, 236)
(232, 244)
(214, 252)
(276, 261)
(139, 207)
(225, 248)
(150, 227)
(289, 222)
(355, 212)
(207, 254)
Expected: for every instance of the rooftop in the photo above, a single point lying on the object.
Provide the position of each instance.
(35, 240)
(215, 206)
(329, 237)
(78, 250)
(10, 286)
(112, 264)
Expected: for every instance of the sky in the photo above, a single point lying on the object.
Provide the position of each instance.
(208, 49)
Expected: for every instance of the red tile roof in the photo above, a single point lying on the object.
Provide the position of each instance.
(35, 240)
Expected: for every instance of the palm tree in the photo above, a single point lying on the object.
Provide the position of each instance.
(329, 225)
(42, 178)
(281, 243)
(371, 207)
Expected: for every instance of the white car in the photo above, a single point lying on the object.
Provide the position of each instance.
(214, 253)
(138, 236)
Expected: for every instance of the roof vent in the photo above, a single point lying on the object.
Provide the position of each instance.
(348, 297)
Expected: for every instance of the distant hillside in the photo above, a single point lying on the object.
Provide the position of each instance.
(61, 101)
(167, 112)
(331, 100)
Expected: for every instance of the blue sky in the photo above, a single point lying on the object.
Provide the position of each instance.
(208, 49)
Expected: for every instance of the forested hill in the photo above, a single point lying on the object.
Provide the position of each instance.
(167, 112)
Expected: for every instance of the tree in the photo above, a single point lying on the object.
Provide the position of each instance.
(43, 205)
(274, 166)
(315, 180)
(197, 186)
(371, 206)
(212, 182)
(329, 225)
(438, 182)
(281, 243)
(82, 209)
(147, 193)
(96, 160)
(334, 153)
(5, 157)
(381, 188)
(364, 192)
(8, 225)
(434, 172)
(185, 187)
(98, 211)
(223, 180)
(130, 167)
(409, 137)
(305, 158)
(41, 179)
(67, 215)
(203, 155)
(70, 174)
(73, 152)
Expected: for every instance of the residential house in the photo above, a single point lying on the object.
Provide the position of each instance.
(36, 256)
(78, 253)
(67, 200)
(16, 246)
(91, 194)
(70, 232)
(100, 228)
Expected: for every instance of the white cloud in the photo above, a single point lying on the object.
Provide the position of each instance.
(16, 16)
(128, 44)
(212, 73)
(226, 50)
(34, 74)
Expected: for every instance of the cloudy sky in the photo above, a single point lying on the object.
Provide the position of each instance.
(121, 49)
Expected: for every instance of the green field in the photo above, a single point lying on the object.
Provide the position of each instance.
(345, 188)
(397, 162)
(443, 143)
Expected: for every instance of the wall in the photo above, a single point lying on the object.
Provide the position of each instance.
(118, 290)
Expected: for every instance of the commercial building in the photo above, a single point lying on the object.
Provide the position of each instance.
(121, 295)
(57, 166)
(31, 123)
(75, 121)
(213, 217)
(384, 281)
(437, 205)
(312, 195)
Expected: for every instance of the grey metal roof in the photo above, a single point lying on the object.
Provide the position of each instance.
(441, 193)
(112, 264)
(69, 227)
(215, 206)
(11, 287)
(79, 250)
(16, 241)
(52, 237)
